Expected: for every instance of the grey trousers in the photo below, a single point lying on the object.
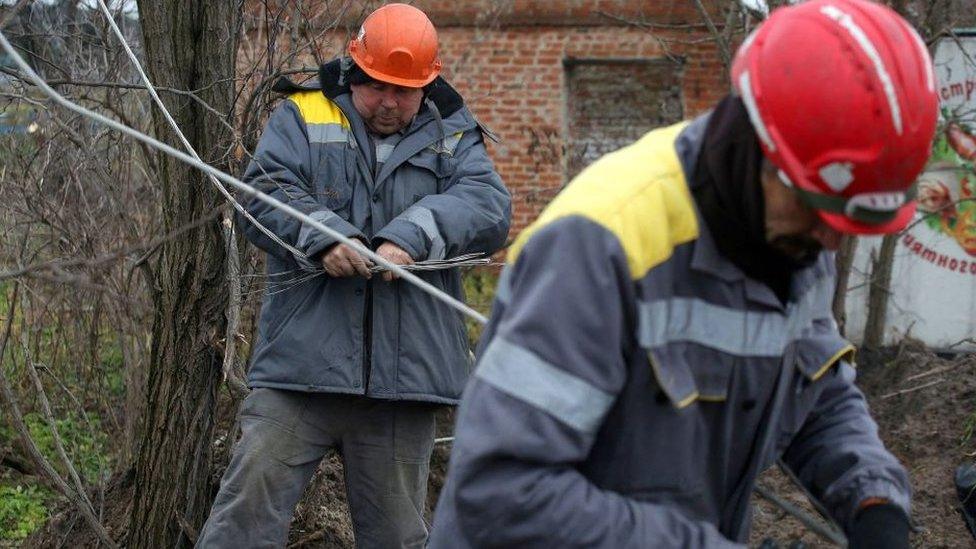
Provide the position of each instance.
(385, 448)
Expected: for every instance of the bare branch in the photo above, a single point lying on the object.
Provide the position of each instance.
(59, 265)
(17, 418)
(720, 39)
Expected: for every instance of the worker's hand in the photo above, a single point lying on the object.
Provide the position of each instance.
(880, 526)
(341, 261)
(394, 254)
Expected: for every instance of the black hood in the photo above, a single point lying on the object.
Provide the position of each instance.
(729, 195)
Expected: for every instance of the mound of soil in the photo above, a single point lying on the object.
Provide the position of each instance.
(925, 406)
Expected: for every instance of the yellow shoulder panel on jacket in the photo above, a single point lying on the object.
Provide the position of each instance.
(318, 109)
(638, 193)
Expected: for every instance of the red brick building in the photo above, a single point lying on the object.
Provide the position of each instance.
(563, 81)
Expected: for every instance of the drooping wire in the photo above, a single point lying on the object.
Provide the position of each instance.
(186, 143)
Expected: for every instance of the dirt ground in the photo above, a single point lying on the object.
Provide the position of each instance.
(925, 427)
(322, 518)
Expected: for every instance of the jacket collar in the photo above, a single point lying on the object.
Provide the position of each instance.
(444, 96)
(707, 259)
(705, 255)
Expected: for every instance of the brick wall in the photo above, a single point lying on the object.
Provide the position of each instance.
(515, 81)
(515, 62)
(609, 104)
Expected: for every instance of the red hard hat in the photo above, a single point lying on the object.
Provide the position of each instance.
(842, 96)
(397, 44)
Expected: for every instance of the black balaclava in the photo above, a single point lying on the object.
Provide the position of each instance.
(729, 195)
(357, 76)
(352, 74)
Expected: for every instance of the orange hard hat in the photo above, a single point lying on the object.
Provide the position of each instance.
(397, 44)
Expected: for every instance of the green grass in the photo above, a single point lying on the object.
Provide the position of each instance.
(22, 510)
(113, 364)
(479, 292)
(968, 429)
(86, 449)
(24, 504)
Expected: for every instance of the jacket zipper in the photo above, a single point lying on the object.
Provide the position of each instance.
(368, 336)
(368, 307)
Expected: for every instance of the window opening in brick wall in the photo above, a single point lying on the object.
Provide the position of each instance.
(612, 103)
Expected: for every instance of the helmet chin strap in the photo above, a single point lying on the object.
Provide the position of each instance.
(870, 208)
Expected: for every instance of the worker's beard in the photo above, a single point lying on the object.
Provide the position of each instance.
(800, 249)
(729, 194)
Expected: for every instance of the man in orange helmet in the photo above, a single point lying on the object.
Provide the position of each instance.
(380, 149)
(663, 332)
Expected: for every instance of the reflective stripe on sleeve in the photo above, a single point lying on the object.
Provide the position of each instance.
(307, 231)
(424, 218)
(522, 374)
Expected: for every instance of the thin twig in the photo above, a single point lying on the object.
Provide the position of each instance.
(963, 341)
(55, 435)
(12, 13)
(926, 215)
(723, 45)
(661, 41)
(931, 372)
(912, 389)
(123, 86)
(58, 265)
(18, 422)
(650, 24)
(802, 516)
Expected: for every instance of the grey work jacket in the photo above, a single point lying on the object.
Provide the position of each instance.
(437, 196)
(633, 383)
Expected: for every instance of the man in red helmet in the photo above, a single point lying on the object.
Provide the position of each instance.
(380, 149)
(663, 332)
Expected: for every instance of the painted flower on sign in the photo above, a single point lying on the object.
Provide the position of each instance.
(933, 196)
(947, 189)
(961, 141)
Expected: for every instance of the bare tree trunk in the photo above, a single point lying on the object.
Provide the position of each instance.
(845, 260)
(190, 45)
(880, 289)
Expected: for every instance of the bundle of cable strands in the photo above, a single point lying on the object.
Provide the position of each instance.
(466, 260)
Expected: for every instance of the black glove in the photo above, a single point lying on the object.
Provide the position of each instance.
(883, 526)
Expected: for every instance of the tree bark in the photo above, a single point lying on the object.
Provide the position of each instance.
(880, 289)
(189, 45)
(844, 261)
